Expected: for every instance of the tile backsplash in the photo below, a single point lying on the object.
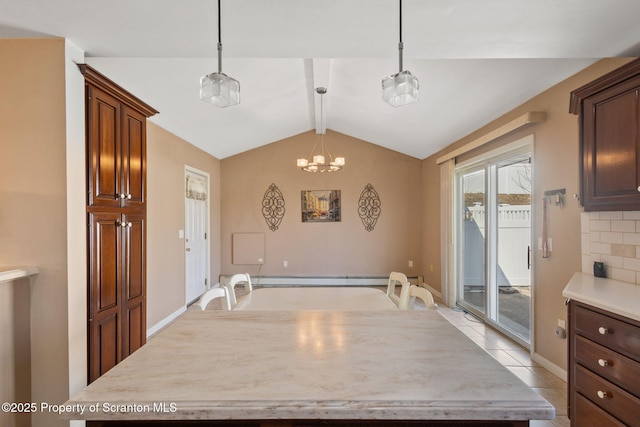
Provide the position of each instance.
(614, 239)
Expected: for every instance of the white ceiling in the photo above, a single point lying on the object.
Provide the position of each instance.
(475, 60)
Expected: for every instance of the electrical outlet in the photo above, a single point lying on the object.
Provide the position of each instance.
(285, 264)
(561, 331)
(410, 263)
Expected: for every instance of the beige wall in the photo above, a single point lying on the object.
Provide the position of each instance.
(42, 223)
(33, 204)
(324, 249)
(167, 156)
(555, 166)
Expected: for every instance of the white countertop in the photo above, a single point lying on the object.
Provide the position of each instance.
(618, 297)
(268, 365)
(8, 274)
(316, 298)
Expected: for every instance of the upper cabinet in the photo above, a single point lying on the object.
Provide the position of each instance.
(609, 114)
(116, 135)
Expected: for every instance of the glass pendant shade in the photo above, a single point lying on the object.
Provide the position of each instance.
(400, 89)
(220, 90)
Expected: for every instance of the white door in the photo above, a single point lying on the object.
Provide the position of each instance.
(196, 233)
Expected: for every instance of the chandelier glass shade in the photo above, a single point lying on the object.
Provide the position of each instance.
(218, 88)
(320, 158)
(403, 87)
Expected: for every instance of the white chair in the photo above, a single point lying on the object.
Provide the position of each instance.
(417, 292)
(211, 294)
(396, 278)
(237, 279)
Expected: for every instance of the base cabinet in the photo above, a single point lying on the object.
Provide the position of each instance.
(604, 368)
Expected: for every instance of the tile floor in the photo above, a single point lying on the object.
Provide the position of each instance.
(515, 358)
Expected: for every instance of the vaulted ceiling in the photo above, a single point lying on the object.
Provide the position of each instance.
(475, 60)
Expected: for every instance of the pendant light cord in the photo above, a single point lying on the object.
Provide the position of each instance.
(219, 20)
(400, 19)
(400, 46)
(219, 41)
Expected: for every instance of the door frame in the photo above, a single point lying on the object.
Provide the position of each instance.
(505, 151)
(190, 170)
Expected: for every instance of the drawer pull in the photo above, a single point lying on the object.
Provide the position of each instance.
(603, 362)
(603, 394)
(603, 330)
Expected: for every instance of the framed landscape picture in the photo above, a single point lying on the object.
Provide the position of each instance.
(320, 205)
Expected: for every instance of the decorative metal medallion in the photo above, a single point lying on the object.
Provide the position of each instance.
(369, 207)
(273, 207)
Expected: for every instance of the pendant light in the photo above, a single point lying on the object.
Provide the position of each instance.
(218, 88)
(401, 88)
(320, 159)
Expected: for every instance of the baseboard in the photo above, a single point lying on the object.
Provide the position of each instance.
(274, 281)
(436, 294)
(164, 322)
(551, 367)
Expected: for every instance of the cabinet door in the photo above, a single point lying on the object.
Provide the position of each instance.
(133, 157)
(134, 284)
(103, 148)
(611, 158)
(105, 307)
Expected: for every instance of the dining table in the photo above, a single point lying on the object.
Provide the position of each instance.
(316, 298)
(309, 368)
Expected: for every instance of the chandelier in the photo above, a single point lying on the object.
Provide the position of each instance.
(320, 159)
(218, 88)
(400, 88)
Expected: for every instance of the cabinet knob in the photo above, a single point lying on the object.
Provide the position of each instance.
(603, 394)
(638, 189)
(603, 362)
(128, 196)
(603, 330)
(122, 196)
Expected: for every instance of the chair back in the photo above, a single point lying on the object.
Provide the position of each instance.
(214, 293)
(417, 292)
(396, 278)
(237, 279)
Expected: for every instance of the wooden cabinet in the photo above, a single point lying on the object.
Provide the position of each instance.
(116, 209)
(604, 368)
(609, 112)
(117, 153)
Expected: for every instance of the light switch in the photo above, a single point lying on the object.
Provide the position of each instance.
(180, 234)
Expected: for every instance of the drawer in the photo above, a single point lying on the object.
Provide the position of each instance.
(615, 401)
(607, 331)
(607, 363)
(586, 414)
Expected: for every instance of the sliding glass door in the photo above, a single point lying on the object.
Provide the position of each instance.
(494, 240)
